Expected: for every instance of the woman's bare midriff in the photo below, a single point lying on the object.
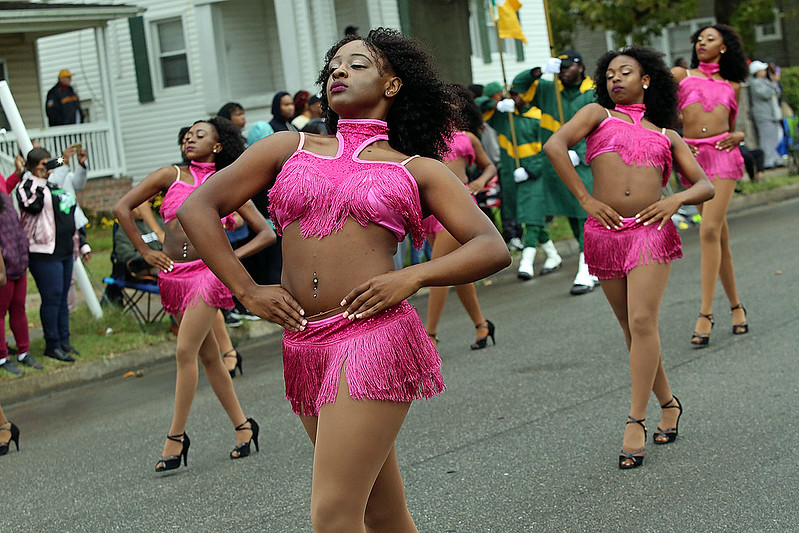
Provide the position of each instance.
(177, 245)
(339, 262)
(695, 118)
(627, 189)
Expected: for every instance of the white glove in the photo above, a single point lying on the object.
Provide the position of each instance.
(574, 157)
(520, 175)
(551, 66)
(506, 106)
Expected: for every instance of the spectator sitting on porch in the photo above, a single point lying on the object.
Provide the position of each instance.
(234, 113)
(63, 104)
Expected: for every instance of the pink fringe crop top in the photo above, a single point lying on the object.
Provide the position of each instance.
(321, 192)
(180, 190)
(460, 146)
(708, 91)
(635, 144)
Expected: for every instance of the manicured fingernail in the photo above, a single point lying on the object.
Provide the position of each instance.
(646, 223)
(304, 322)
(359, 315)
(343, 302)
(345, 314)
(302, 312)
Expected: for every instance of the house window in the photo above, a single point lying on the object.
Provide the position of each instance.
(771, 31)
(170, 47)
(483, 36)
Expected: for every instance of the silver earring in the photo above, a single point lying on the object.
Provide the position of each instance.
(646, 86)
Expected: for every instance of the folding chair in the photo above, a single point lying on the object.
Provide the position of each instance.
(150, 313)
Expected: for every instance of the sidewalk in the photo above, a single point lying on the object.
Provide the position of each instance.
(35, 385)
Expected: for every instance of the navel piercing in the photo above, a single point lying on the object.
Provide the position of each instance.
(704, 128)
(185, 250)
(315, 284)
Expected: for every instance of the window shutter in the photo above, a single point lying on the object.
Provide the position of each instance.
(141, 61)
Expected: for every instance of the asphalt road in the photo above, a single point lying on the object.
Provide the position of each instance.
(526, 438)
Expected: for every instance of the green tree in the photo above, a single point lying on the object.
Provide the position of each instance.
(743, 15)
(642, 20)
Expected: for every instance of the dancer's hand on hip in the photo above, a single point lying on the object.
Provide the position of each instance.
(275, 304)
(378, 294)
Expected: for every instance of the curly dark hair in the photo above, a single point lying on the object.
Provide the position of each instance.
(420, 117)
(732, 64)
(661, 96)
(229, 137)
(467, 116)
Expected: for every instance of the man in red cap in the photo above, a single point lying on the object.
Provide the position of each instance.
(63, 104)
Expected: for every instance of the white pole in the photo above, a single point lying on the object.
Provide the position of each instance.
(14, 119)
(87, 289)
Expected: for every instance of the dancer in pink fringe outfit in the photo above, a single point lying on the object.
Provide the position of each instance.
(189, 290)
(630, 240)
(355, 352)
(708, 102)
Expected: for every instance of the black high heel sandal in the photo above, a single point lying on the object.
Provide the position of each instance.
(670, 435)
(637, 460)
(172, 462)
(4, 446)
(700, 340)
(740, 329)
(433, 339)
(233, 354)
(243, 449)
(482, 342)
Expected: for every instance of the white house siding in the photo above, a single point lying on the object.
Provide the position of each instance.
(536, 51)
(382, 13)
(16, 53)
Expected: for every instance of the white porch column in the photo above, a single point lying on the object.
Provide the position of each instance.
(115, 155)
(214, 73)
(289, 51)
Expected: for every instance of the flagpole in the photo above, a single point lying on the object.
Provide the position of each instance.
(552, 54)
(494, 18)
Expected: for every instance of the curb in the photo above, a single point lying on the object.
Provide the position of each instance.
(115, 365)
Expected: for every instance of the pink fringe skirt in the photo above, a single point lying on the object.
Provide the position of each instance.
(717, 164)
(388, 357)
(431, 226)
(187, 283)
(612, 254)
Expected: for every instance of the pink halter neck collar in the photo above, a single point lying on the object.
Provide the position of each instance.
(364, 128)
(636, 111)
(201, 171)
(709, 68)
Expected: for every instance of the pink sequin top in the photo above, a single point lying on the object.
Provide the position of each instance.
(459, 147)
(180, 190)
(707, 90)
(321, 192)
(635, 144)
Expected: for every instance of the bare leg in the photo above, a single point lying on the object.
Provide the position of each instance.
(714, 221)
(356, 480)
(727, 275)
(5, 434)
(225, 344)
(616, 292)
(443, 244)
(222, 384)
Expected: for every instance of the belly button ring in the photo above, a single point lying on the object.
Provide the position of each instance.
(704, 128)
(315, 284)
(185, 250)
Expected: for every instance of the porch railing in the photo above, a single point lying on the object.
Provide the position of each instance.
(104, 157)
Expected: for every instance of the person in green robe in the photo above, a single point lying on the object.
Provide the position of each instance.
(522, 189)
(576, 91)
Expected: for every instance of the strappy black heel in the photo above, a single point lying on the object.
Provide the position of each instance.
(740, 329)
(172, 462)
(433, 339)
(637, 460)
(233, 354)
(5, 446)
(671, 434)
(700, 340)
(243, 449)
(482, 342)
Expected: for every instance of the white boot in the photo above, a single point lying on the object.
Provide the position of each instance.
(553, 260)
(583, 281)
(526, 264)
